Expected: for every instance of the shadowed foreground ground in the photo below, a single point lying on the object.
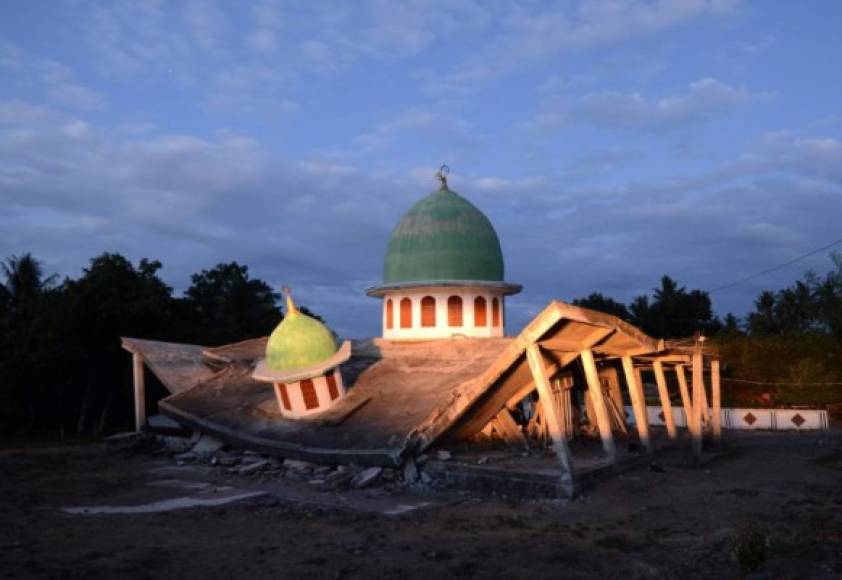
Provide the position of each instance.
(644, 524)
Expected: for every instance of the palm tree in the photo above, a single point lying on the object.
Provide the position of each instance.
(24, 285)
(21, 297)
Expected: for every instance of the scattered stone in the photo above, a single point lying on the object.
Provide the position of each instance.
(482, 460)
(226, 460)
(207, 445)
(322, 470)
(125, 436)
(300, 466)
(251, 468)
(422, 459)
(444, 455)
(425, 478)
(165, 426)
(294, 475)
(175, 444)
(366, 477)
(410, 471)
(388, 474)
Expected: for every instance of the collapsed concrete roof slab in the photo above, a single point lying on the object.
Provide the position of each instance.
(179, 367)
(393, 387)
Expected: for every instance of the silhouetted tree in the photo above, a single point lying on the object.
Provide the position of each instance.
(596, 301)
(674, 312)
(812, 305)
(731, 326)
(110, 300)
(225, 305)
(22, 293)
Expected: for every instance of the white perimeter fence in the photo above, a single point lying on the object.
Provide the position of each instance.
(735, 418)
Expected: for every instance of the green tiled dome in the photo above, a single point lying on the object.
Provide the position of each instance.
(299, 341)
(443, 237)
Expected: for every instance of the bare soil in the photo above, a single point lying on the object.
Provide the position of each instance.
(679, 523)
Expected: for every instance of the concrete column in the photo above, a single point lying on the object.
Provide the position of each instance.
(698, 386)
(663, 394)
(545, 394)
(139, 392)
(638, 400)
(717, 399)
(600, 410)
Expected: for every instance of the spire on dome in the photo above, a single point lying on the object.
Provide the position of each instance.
(291, 308)
(441, 175)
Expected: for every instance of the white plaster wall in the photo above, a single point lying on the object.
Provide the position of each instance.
(296, 397)
(441, 329)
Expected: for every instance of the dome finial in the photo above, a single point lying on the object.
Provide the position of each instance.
(291, 309)
(442, 174)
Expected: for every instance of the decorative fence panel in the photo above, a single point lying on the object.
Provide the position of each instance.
(735, 418)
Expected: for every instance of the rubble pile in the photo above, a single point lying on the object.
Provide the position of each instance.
(200, 449)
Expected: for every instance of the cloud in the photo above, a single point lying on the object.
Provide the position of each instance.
(206, 23)
(442, 127)
(262, 40)
(56, 79)
(537, 32)
(76, 96)
(704, 100)
(71, 190)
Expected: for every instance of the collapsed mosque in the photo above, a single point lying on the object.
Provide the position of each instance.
(443, 372)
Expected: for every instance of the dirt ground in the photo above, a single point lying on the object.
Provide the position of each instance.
(643, 524)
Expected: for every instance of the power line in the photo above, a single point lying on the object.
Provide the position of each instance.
(776, 268)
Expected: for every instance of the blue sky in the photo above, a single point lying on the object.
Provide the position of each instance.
(609, 142)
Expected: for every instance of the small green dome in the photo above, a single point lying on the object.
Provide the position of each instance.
(443, 237)
(299, 341)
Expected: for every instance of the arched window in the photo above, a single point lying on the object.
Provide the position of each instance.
(495, 312)
(390, 313)
(332, 389)
(406, 313)
(308, 393)
(454, 311)
(480, 311)
(428, 311)
(282, 391)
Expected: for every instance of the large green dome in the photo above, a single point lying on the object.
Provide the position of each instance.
(443, 237)
(299, 341)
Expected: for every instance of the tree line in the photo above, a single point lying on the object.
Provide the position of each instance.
(63, 372)
(811, 306)
(789, 346)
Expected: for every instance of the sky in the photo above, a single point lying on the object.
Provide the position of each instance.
(610, 142)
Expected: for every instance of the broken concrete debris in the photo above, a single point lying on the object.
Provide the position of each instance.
(254, 467)
(300, 466)
(444, 455)
(366, 477)
(410, 471)
(207, 445)
(163, 425)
